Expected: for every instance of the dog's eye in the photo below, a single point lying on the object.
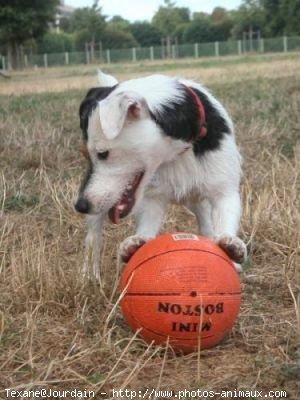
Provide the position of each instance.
(103, 155)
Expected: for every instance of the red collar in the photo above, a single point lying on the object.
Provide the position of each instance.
(203, 126)
(201, 109)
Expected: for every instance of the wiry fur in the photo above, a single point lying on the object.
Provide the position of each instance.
(129, 121)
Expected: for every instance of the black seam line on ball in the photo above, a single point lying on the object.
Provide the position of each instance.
(183, 294)
(173, 251)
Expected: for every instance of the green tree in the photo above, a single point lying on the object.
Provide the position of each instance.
(219, 14)
(118, 39)
(23, 20)
(200, 30)
(282, 17)
(88, 24)
(223, 29)
(117, 34)
(290, 9)
(145, 34)
(274, 19)
(222, 23)
(180, 31)
(53, 42)
(119, 23)
(65, 25)
(184, 13)
(250, 17)
(168, 18)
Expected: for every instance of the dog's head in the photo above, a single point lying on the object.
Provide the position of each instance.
(124, 147)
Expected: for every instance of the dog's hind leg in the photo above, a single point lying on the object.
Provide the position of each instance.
(149, 217)
(93, 244)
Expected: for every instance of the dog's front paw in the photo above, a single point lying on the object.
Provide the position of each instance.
(92, 251)
(91, 263)
(130, 245)
(234, 247)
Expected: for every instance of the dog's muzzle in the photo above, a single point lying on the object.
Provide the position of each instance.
(82, 205)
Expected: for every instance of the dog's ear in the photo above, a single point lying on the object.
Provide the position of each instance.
(93, 96)
(118, 108)
(106, 80)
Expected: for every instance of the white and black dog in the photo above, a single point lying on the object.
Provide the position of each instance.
(155, 140)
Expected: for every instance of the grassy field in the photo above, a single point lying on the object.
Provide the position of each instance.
(59, 332)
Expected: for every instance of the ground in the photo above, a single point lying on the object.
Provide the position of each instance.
(58, 331)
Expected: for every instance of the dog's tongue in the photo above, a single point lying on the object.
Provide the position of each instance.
(123, 207)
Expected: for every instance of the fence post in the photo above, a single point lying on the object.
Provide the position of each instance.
(67, 60)
(196, 50)
(217, 50)
(3, 63)
(262, 45)
(173, 51)
(25, 60)
(108, 60)
(134, 54)
(285, 44)
(100, 49)
(239, 47)
(45, 60)
(162, 48)
(151, 53)
(87, 53)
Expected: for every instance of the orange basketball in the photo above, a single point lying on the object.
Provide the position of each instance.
(182, 289)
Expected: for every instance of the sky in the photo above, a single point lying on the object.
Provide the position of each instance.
(134, 10)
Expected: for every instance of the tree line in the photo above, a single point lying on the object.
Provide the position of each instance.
(34, 25)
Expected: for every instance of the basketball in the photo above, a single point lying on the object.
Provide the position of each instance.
(181, 289)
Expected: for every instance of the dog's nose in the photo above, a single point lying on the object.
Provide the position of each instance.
(82, 205)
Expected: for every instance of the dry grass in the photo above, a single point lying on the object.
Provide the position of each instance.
(57, 331)
(209, 70)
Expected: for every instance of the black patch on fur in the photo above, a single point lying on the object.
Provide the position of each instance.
(181, 120)
(89, 103)
(217, 127)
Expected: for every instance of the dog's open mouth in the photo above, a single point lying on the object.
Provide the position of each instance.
(123, 207)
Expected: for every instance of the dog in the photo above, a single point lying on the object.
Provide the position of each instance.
(152, 141)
